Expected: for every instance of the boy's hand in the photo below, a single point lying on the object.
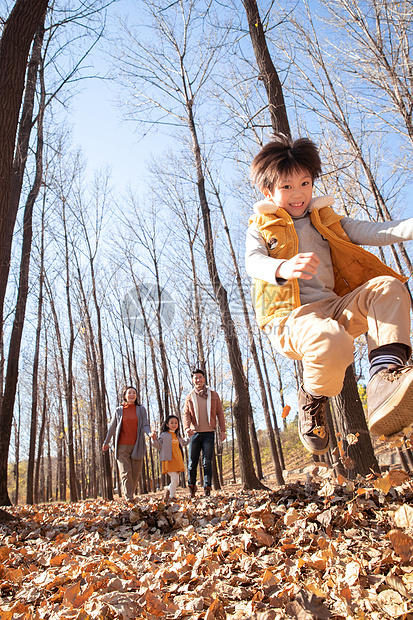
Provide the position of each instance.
(302, 265)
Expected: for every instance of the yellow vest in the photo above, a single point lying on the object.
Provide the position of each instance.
(352, 264)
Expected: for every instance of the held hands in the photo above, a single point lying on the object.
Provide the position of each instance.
(153, 435)
(105, 448)
(303, 265)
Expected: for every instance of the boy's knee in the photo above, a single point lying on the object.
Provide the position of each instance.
(326, 361)
(387, 285)
(334, 347)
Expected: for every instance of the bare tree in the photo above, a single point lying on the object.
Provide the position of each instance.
(268, 73)
(15, 43)
(33, 421)
(166, 80)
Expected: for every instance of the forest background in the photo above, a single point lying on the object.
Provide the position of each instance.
(116, 271)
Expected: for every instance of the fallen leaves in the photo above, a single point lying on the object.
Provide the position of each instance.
(325, 549)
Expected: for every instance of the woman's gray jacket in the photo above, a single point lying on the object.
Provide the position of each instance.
(164, 445)
(115, 425)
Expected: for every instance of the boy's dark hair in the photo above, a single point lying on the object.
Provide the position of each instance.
(283, 156)
(197, 371)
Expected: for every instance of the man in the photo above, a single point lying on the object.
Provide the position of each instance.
(201, 409)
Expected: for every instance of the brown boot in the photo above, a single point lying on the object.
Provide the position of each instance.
(192, 490)
(312, 427)
(207, 491)
(390, 400)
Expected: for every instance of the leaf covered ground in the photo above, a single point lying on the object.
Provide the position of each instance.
(311, 550)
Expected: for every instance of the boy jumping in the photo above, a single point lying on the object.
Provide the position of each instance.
(315, 290)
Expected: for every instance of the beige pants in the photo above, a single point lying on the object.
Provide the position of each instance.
(129, 470)
(322, 333)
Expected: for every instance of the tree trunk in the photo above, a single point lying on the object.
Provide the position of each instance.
(43, 423)
(268, 73)
(197, 310)
(15, 43)
(255, 445)
(270, 399)
(349, 419)
(17, 429)
(347, 404)
(242, 401)
(276, 459)
(68, 384)
(6, 414)
(33, 422)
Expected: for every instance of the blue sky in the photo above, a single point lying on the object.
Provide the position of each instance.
(98, 128)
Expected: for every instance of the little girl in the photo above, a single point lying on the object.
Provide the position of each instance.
(170, 446)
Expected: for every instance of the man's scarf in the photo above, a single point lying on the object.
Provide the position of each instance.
(206, 392)
(202, 392)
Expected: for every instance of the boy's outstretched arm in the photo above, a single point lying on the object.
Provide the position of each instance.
(364, 232)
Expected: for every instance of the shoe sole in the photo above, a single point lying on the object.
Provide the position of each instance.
(309, 448)
(396, 413)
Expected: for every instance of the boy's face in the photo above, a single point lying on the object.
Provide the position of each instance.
(292, 192)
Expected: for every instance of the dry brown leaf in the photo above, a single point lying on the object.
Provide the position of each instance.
(154, 605)
(352, 573)
(317, 561)
(402, 544)
(312, 587)
(392, 603)
(313, 605)
(58, 560)
(352, 438)
(261, 537)
(325, 518)
(14, 575)
(70, 594)
(341, 479)
(397, 477)
(291, 516)
(397, 584)
(269, 579)
(383, 484)
(327, 489)
(345, 593)
(216, 611)
(403, 517)
(348, 463)
(286, 411)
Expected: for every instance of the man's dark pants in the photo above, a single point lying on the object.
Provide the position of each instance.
(204, 442)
